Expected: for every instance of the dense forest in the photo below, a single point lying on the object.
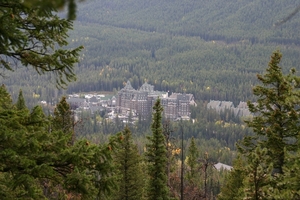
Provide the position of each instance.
(176, 46)
(214, 50)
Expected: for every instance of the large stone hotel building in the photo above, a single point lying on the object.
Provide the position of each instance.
(140, 102)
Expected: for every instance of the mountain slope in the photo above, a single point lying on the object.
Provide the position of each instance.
(213, 49)
(216, 19)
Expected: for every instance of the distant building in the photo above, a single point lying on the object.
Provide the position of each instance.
(220, 105)
(141, 102)
(219, 166)
(93, 103)
(240, 111)
(77, 102)
(178, 105)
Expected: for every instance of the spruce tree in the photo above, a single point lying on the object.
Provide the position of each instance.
(129, 168)
(22, 137)
(37, 163)
(156, 157)
(276, 114)
(258, 179)
(34, 157)
(33, 34)
(233, 187)
(193, 162)
(171, 150)
(290, 185)
(21, 101)
(63, 117)
(57, 4)
(5, 100)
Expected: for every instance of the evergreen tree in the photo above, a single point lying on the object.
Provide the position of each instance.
(57, 4)
(233, 188)
(128, 162)
(276, 119)
(171, 150)
(5, 100)
(193, 172)
(63, 117)
(32, 34)
(21, 101)
(193, 161)
(38, 164)
(290, 185)
(258, 178)
(207, 166)
(156, 158)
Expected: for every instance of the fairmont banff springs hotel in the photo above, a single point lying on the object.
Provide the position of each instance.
(140, 102)
(137, 102)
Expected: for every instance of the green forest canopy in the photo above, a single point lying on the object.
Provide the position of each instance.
(177, 46)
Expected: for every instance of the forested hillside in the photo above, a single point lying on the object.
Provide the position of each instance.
(213, 49)
(231, 20)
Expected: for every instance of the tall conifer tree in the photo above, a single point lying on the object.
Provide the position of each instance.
(257, 183)
(5, 100)
(129, 168)
(233, 187)
(276, 114)
(21, 101)
(291, 178)
(36, 164)
(156, 156)
(192, 161)
(63, 118)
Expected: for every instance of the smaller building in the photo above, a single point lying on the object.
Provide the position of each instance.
(93, 103)
(240, 111)
(76, 102)
(220, 166)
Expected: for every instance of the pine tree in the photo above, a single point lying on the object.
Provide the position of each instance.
(290, 185)
(258, 178)
(21, 101)
(38, 164)
(105, 168)
(5, 100)
(33, 35)
(129, 168)
(32, 157)
(56, 4)
(233, 188)
(276, 119)
(21, 141)
(192, 186)
(171, 149)
(63, 117)
(156, 158)
(193, 162)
